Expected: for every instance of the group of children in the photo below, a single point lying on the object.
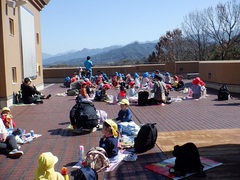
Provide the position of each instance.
(111, 128)
(111, 131)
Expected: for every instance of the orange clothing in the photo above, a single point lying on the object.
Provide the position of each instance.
(83, 92)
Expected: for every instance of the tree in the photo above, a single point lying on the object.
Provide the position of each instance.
(169, 47)
(196, 40)
(223, 26)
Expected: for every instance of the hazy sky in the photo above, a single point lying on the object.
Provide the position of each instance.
(76, 24)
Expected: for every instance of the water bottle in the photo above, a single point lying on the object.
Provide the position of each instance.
(38, 98)
(81, 154)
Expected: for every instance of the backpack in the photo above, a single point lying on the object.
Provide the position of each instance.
(187, 160)
(223, 93)
(143, 98)
(86, 115)
(146, 138)
(85, 173)
(72, 92)
(97, 96)
(67, 81)
(96, 158)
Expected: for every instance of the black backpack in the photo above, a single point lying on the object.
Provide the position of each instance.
(143, 98)
(85, 173)
(146, 138)
(223, 93)
(97, 95)
(187, 160)
(86, 115)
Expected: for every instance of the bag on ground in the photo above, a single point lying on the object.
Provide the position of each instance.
(146, 138)
(223, 93)
(96, 158)
(72, 92)
(67, 81)
(143, 98)
(187, 160)
(97, 95)
(86, 115)
(85, 173)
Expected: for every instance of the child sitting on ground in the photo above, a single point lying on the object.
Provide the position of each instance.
(125, 114)
(109, 141)
(133, 93)
(45, 169)
(175, 82)
(181, 84)
(122, 94)
(6, 117)
(132, 90)
(103, 93)
(115, 81)
(145, 81)
(196, 89)
(83, 90)
(167, 78)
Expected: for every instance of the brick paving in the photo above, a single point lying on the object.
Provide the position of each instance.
(52, 118)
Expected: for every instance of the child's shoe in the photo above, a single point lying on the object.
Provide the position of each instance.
(19, 140)
(94, 129)
(48, 96)
(15, 154)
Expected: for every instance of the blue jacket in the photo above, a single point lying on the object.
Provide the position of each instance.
(88, 65)
(124, 116)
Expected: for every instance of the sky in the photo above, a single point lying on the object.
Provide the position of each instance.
(68, 25)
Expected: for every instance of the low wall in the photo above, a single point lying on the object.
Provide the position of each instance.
(214, 73)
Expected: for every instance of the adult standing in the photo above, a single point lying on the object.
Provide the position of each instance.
(88, 65)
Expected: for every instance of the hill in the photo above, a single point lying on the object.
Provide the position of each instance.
(65, 57)
(132, 52)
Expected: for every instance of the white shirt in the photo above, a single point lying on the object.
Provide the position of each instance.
(2, 127)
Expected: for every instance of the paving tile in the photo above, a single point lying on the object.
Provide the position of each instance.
(52, 118)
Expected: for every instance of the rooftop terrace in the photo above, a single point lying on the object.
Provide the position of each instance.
(52, 118)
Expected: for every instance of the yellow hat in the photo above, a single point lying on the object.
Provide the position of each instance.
(113, 126)
(124, 101)
(6, 109)
(46, 162)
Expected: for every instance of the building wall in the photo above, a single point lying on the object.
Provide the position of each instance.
(11, 50)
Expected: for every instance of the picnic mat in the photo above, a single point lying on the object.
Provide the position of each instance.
(29, 138)
(164, 166)
(206, 140)
(21, 104)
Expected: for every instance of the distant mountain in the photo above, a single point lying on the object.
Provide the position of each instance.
(132, 52)
(59, 58)
(46, 55)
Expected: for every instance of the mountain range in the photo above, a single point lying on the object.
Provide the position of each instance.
(135, 51)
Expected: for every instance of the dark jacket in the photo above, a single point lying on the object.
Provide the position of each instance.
(28, 93)
(110, 144)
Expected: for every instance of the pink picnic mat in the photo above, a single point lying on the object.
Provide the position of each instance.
(164, 166)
